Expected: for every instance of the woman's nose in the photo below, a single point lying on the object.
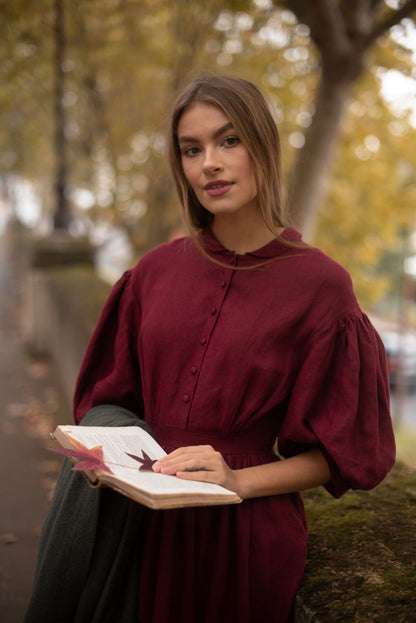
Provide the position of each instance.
(212, 161)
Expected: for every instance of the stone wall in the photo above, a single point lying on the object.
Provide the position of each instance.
(62, 299)
(63, 306)
(362, 554)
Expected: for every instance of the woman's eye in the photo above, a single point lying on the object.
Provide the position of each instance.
(231, 141)
(191, 151)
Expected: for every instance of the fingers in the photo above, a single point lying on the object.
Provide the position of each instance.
(200, 476)
(201, 463)
(189, 459)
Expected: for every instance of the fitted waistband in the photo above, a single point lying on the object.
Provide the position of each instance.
(254, 440)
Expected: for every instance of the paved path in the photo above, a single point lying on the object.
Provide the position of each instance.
(28, 412)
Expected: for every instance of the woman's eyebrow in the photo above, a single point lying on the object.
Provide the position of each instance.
(217, 133)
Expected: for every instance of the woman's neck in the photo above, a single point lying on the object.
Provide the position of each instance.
(241, 235)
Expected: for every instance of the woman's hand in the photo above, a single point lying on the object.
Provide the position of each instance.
(201, 463)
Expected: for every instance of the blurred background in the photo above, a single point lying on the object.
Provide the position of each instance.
(84, 94)
(85, 86)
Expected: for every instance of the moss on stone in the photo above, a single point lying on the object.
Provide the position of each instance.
(57, 249)
(362, 554)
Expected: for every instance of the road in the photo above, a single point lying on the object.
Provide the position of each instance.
(28, 401)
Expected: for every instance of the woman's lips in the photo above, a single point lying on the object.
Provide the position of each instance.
(219, 187)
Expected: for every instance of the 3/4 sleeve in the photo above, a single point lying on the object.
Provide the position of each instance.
(110, 371)
(340, 402)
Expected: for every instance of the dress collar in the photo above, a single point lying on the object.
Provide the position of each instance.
(271, 249)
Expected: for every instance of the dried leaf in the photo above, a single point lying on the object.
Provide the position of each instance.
(145, 460)
(91, 458)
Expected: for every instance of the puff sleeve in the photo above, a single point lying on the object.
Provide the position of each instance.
(340, 402)
(110, 371)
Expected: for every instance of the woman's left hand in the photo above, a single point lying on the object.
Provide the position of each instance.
(201, 463)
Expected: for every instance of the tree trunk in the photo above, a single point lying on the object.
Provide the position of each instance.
(61, 217)
(343, 32)
(312, 170)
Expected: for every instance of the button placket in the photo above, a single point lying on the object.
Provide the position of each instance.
(213, 313)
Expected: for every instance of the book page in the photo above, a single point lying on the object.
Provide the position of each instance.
(116, 441)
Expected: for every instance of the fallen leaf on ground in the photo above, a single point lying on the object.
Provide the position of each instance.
(8, 538)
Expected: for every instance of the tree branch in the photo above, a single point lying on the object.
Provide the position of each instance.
(375, 3)
(325, 21)
(394, 18)
(358, 17)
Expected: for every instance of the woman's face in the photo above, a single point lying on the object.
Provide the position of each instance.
(215, 163)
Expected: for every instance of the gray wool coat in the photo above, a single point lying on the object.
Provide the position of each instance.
(89, 551)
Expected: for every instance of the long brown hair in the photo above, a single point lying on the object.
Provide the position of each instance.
(246, 107)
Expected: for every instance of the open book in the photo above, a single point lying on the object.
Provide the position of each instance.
(121, 458)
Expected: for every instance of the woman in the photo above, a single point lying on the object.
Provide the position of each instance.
(228, 340)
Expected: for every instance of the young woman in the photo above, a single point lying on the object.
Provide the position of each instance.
(227, 340)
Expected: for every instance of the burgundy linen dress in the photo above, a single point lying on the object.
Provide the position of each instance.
(237, 359)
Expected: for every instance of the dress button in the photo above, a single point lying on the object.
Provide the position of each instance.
(203, 340)
(194, 370)
(223, 283)
(186, 398)
(213, 311)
